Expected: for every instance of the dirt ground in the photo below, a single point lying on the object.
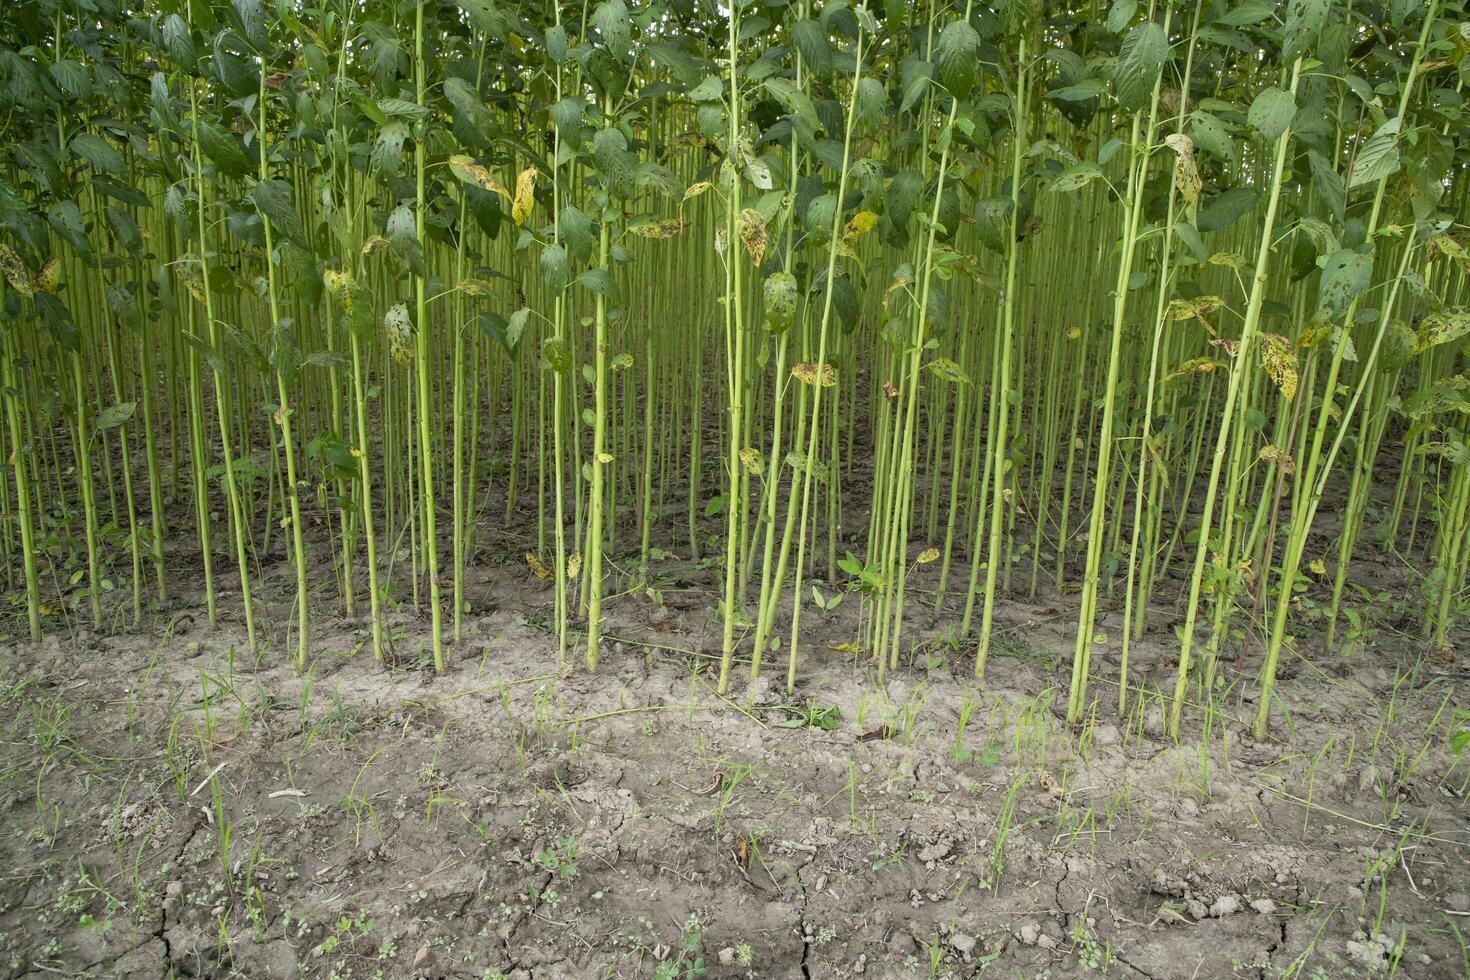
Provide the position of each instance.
(176, 806)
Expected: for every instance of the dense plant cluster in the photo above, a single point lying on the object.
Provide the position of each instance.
(1025, 296)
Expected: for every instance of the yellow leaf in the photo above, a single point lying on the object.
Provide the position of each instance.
(604, 457)
(860, 224)
(1317, 567)
(927, 555)
(574, 564)
(520, 208)
(848, 647)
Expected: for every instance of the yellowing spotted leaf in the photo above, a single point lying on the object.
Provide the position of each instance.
(49, 277)
(1317, 567)
(1277, 456)
(752, 460)
(1186, 175)
(1279, 360)
(574, 564)
(659, 228)
(15, 270)
(899, 281)
(948, 370)
(694, 190)
(476, 287)
(1200, 306)
(467, 170)
(538, 567)
(927, 555)
(341, 284)
(752, 230)
(806, 373)
(1195, 365)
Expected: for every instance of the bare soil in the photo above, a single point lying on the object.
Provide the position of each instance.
(175, 805)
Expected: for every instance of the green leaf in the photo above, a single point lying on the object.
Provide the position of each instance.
(1378, 157)
(795, 101)
(599, 281)
(1142, 56)
(781, 297)
(613, 23)
(98, 152)
(115, 415)
(956, 58)
(812, 44)
(212, 357)
(1304, 20)
(556, 44)
(1120, 14)
(66, 218)
(575, 229)
(387, 152)
(273, 198)
(1210, 135)
(1271, 112)
(73, 78)
(516, 326)
(179, 41)
(554, 271)
(993, 222)
(1247, 13)
(223, 149)
(1225, 208)
(1087, 88)
(403, 238)
(558, 356)
(1077, 177)
(1345, 275)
